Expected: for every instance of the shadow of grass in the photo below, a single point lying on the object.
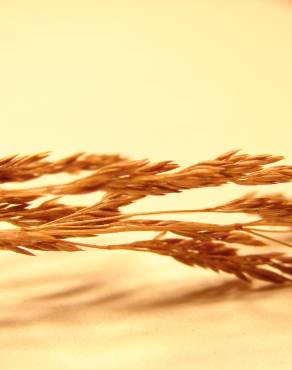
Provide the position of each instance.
(231, 290)
(99, 298)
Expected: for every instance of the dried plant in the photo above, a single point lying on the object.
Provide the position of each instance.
(52, 225)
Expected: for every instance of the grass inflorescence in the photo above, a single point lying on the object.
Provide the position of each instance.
(52, 224)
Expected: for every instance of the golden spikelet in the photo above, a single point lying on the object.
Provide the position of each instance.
(48, 226)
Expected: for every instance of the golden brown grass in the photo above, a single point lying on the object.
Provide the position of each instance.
(52, 225)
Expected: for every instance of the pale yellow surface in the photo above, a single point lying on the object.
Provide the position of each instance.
(178, 79)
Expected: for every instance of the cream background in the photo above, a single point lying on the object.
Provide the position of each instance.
(182, 80)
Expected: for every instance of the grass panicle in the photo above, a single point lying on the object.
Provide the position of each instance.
(49, 225)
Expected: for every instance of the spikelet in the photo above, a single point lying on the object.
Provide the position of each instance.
(48, 226)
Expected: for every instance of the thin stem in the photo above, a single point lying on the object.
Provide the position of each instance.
(127, 215)
(268, 237)
(270, 231)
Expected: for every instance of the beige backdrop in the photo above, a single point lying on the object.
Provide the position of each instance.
(161, 79)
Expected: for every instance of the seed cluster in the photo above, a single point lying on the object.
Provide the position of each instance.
(49, 225)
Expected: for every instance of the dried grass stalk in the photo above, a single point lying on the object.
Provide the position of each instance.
(50, 225)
